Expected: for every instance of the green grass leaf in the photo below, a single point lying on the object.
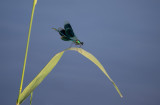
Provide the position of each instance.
(52, 63)
(40, 77)
(95, 61)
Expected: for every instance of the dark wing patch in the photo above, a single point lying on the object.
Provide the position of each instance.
(68, 30)
(64, 38)
(61, 31)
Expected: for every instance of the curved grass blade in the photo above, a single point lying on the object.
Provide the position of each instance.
(52, 63)
(95, 61)
(40, 77)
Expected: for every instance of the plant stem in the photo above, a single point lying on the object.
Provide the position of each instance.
(26, 53)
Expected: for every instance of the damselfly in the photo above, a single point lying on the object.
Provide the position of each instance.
(67, 34)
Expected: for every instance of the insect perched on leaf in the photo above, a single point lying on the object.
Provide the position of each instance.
(67, 34)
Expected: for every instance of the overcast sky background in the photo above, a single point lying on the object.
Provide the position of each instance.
(123, 34)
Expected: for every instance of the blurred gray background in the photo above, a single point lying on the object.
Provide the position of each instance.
(123, 34)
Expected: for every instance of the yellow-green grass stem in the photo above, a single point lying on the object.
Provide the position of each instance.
(26, 53)
(31, 98)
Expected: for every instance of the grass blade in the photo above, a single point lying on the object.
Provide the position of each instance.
(31, 98)
(40, 77)
(52, 63)
(95, 61)
(26, 53)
